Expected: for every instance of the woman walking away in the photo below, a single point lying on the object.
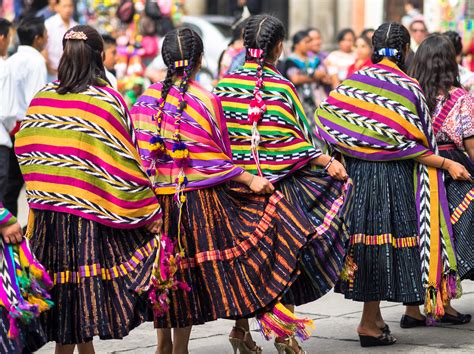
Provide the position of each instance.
(451, 108)
(238, 251)
(91, 201)
(379, 120)
(269, 136)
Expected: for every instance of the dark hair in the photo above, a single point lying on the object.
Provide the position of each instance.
(456, 41)
(298, 37)
(394, 36)
(238, 31)
(180, 44)
(366, 39)
(366, 32)
(435, 68)
(341, 34)
(108, 40)
(262, 32)
(30, 28)
(5, 26)
(81, 63)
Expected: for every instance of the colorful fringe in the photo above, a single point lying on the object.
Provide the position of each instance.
(163, 276)
(437, 299)
(283, 323)
(24, 284)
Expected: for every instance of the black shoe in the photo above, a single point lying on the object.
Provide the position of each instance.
(383, 339)
(386, 330)
(410, 322)
(460, 319)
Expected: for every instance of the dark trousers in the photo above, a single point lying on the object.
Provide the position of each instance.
(14, 184)
(4, 164)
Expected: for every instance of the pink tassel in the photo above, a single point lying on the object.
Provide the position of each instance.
(13, 331)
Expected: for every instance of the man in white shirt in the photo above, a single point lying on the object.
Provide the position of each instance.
(7, 106)
(57, 27)
(29, 75)
(110, 55)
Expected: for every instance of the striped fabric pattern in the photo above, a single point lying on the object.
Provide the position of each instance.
(6, 218)
(78, 155)
(285, 144)
(380, 114)
(203, 129)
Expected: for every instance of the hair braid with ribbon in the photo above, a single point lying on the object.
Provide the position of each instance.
(262, 34)
(390, 40)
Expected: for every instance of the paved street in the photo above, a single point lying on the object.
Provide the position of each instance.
(336, 320)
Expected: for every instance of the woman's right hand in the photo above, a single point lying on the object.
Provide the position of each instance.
(261, 185)
(457, 171)
(12, 233)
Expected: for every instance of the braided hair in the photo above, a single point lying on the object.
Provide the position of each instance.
(391, 35)
(263, 33)
(180, 45)
(435, 68)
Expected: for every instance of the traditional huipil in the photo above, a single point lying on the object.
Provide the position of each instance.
(23, 294)
(239, 250)
(401, 246)
(89, 198)
(280, 148)
(453, 122)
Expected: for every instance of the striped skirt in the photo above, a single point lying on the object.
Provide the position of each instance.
(93, 268)
(323, 202)
(461, 205)
(241, 253)
(383, 261)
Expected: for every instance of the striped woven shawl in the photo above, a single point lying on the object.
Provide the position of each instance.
(78, 155)
(380, 114)
(202, 128)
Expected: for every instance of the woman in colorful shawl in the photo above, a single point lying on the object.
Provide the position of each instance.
(93, 210)
(269, 136)
(436, 69)
(237, 250)
(23, 290)
(400, 245)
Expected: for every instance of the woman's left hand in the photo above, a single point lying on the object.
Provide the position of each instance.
(337, 170)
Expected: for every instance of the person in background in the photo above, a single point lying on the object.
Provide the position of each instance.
(411, 14)
(418, 33)
(30, 76)
(315, 50)
(7, 106)
(369, 33)
(466, 76)
(110, 56)
(48, 11)
(339, 60)
(304, 71)
(57, 26)
(364, 54)
(452, 112)
(233, 57)
(468, 49)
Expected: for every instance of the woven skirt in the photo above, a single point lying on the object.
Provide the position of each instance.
(241, 249)
(323, 202)
(93, 268)
(461, 205)
(383, 261)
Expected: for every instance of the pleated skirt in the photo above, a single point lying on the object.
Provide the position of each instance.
(461, 205)
(93, 268)
(383, 261)
(323, 202)
(242, 253)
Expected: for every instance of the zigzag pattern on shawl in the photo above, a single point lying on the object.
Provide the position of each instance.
(7, 283)
(85, 206)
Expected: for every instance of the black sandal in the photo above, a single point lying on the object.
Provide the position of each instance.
(459, 319)
(382, 340)
(386, 330)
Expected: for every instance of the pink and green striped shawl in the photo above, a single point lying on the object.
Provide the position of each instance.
(380, 114)
(78, 155)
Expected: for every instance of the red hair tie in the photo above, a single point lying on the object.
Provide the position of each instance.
(255, 52)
